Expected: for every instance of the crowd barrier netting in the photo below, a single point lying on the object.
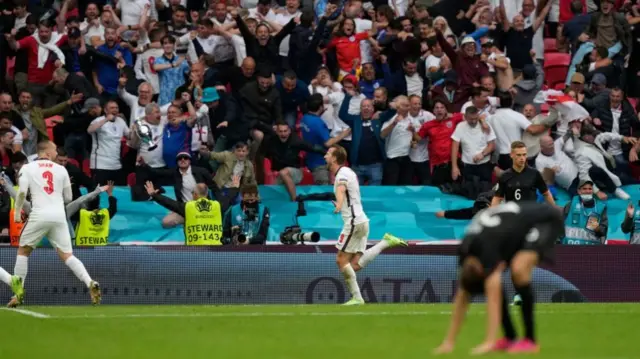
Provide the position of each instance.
(406, 211)
(306, 274)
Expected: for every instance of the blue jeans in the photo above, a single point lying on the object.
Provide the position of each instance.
(371, 173)
(584, 50)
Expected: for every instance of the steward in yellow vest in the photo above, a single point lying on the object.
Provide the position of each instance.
(93, 225)
(202, 216)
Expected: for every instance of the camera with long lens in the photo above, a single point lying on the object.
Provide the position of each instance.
(294, 234)
(237, 237)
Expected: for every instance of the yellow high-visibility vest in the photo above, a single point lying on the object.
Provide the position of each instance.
(93, 228)
(203, 223)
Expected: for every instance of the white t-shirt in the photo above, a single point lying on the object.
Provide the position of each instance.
(106, 144)
(401, 5)
(330, 111)
(415, 84)
(271, 16)
(432, 61)
(615, 147)
(17, 138)
(508, 125)
(154, 158)
(144, 68)
(352, 211)
(131, 11)
(284, 19)
(420, 153)
(487, 109)
(92, 31)
(472, 140)
(335, 99)
(398, 143)
(49, 186)
(568, 169)
(494, 56)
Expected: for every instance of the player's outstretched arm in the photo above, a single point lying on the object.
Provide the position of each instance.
(460, 307)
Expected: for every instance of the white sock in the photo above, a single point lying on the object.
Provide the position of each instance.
(5, 276)
(79, 270)
(352, 283)
(371, 253)
(22, 267)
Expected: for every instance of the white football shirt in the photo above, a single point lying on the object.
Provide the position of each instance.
(49, 186)
(107, 143)
(352, 211)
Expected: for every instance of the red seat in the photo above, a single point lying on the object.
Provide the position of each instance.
(307, 177)
(86, 168)
(131, 179)
(550, 45)
(269, 175)
(556, 66)
(74, 162)
(634, 102)
(560, 86)
(51, 123)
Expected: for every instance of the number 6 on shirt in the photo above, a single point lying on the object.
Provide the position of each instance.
(48, 176)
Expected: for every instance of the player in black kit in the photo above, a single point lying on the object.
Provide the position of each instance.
(520, 182)
(511, 235)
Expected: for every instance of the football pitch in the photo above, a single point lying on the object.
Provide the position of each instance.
(300, 331)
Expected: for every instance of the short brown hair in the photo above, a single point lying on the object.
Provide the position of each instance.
(517, 144)
(249, 189)
(340, 154)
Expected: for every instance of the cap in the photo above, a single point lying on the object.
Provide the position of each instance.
(351, 79)
(74, 33)
(584, 182)
(577, 78)
(89, 104)
(487, 42)
(183, 155)
(467, 40)
(210, 94)
(451, 77)
(599, 79)
(529, 72)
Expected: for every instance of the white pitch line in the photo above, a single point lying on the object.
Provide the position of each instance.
(306, 314)
(28, 313)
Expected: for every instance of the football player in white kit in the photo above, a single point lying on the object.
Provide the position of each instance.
(353, 254)
(49, 185)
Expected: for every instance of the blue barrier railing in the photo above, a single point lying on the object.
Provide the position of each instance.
(408, 212)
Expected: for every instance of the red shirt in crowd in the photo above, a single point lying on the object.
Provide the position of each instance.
(565, 10)
(34, 74)
(347, 49)
(439, 133)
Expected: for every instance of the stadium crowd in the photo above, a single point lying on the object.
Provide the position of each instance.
(241, 93)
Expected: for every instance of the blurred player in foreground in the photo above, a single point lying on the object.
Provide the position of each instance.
(50, 188)
(511, 235)
(353, 254)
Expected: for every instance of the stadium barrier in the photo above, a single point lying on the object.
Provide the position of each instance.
(306, 275)
(406, 211)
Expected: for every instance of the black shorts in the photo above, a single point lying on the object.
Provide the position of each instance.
(542, 239)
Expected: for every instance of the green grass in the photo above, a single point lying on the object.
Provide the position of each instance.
(301, 332)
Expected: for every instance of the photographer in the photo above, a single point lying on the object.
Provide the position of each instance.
(248, 221)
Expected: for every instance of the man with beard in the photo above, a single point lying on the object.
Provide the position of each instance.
(34, 117)
(110, 59)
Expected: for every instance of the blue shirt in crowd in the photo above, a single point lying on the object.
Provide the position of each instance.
(170, 79)
(315, 132)
(107, 71)
(175, 139)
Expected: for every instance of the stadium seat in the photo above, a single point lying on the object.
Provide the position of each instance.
(550, 45)
(131, 179)
(556, 66)
(634, 102)
(74, 162)
(307, 177)
(86, 168)
(269, 175)
(50, 123)
(560, 86)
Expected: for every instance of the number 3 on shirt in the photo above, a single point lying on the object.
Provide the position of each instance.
(48, 176)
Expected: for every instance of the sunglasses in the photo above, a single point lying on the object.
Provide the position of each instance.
(184, 158)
